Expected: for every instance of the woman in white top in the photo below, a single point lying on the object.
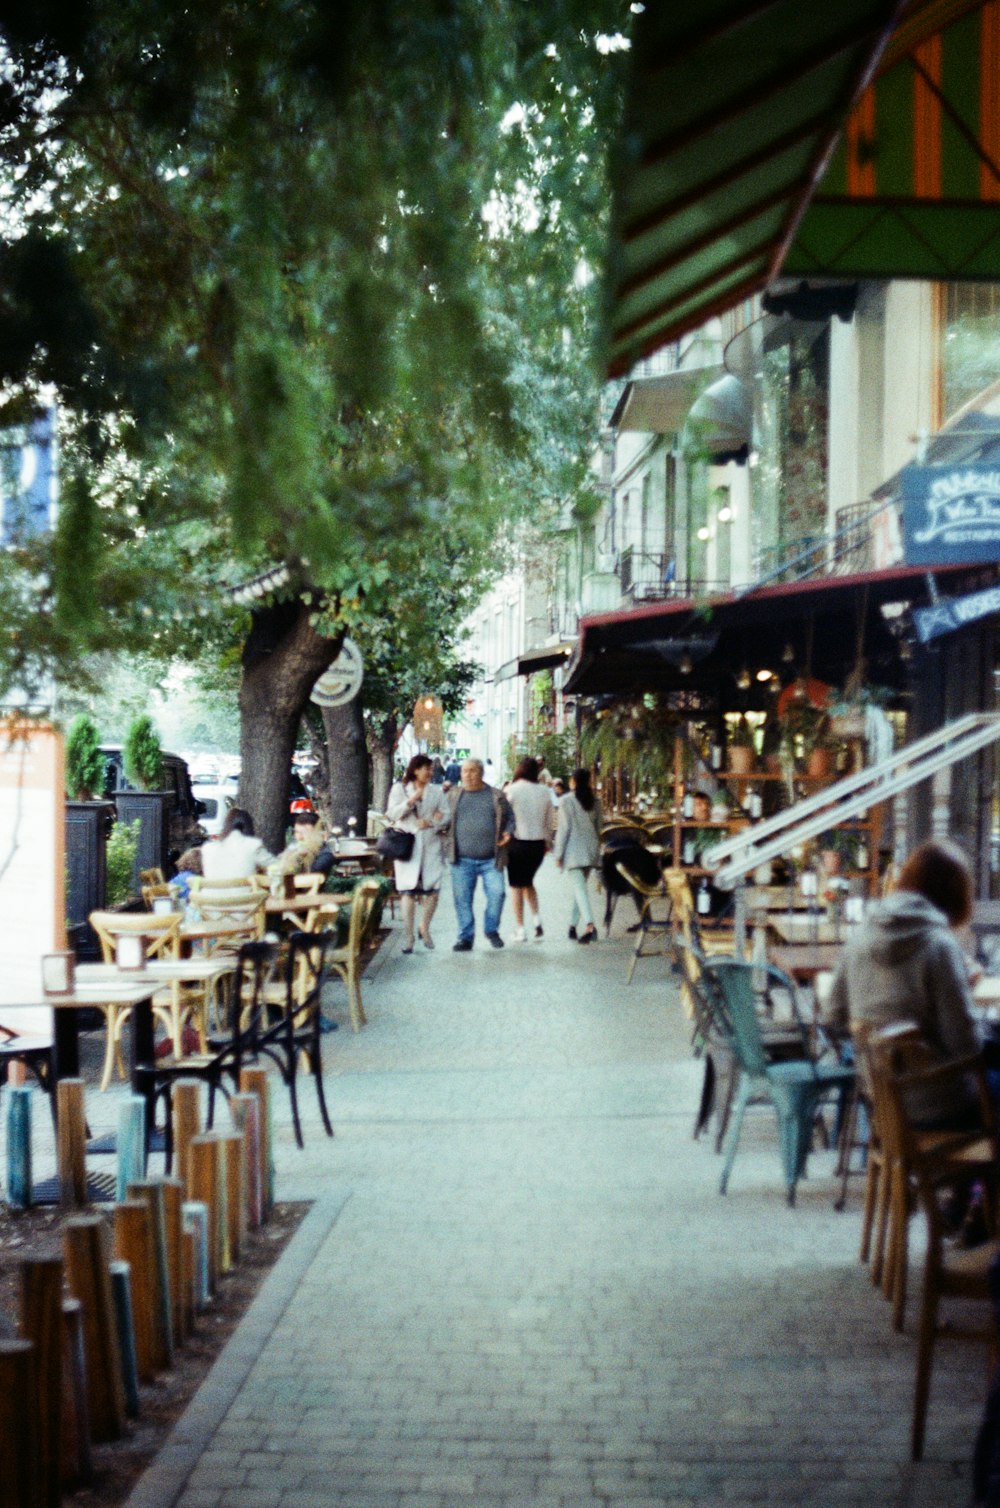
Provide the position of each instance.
(421, 808)
(534, 816)
(236, 854)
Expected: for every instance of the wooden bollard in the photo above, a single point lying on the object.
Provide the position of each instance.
(256, 1081)
(17, 1424)
(196, 1226)
(173, 1198)
(121, 1289)
(86, 1247)
(77, 1464)
(185, 1119)
(134, 1245)
(72, 1150)
(19, 1146)
(150, 1190)
(190, 1257)
(231, 1148)
(204, 1187)
(225, 1200)
(245, 1112)
(41, 1323)
(131, 1144)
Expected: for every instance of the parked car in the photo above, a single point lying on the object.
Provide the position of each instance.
(185, 807)
(215, 800)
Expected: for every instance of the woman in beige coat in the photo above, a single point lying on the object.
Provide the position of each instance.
(420, 808)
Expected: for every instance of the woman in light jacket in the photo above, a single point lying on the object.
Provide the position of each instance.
(578, 848)
(421, 808)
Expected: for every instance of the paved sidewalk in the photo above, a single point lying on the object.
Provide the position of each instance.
(518, 1284)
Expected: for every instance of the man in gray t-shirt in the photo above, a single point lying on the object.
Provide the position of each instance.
(481, 826)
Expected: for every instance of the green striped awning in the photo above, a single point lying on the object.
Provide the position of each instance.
(859, 139)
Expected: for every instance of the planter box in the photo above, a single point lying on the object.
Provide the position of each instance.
(151, 810)
(87, 827)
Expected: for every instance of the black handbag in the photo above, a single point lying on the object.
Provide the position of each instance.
(394, 843)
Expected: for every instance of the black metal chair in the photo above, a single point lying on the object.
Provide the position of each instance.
(227, 1055)
(297, 1027)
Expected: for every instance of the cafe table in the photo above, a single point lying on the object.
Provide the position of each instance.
(173, 973)
(797, 928)
(299, 909)
(804, 960)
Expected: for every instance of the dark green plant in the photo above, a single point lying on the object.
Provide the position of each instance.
(804, 728)
(121, 850)
(143, 755)
(84, 760)
(741, 735)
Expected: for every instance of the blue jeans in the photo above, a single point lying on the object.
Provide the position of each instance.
(464, 874)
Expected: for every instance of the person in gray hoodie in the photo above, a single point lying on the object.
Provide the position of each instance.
(905, 964)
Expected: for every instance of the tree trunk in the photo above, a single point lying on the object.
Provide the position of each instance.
(283, 657)
(348, 764)
(382, 732)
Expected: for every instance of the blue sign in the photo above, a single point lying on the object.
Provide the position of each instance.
(951, 514)
(949, 613)
(27, 479)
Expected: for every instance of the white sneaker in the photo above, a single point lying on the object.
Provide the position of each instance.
(519, 935)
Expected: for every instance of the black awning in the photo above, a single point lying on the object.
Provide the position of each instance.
(545, 656)
(819, 621)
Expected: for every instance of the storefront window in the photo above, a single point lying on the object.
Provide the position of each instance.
(970, 345)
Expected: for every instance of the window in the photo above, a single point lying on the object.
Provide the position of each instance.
(970, 342)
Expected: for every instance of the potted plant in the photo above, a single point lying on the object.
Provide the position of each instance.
(806, 739)
(143, 754)
(742, 749)
(147, 803)
(88, 822)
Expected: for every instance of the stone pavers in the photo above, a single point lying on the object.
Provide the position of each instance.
(519, 1284)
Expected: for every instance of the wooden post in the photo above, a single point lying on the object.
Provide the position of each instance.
(256, 1081)
(77, 1464)
(245, 1112)
(150, 1192)
(19, 1147)
(173, 1198)
(72, 1143)
(121, 1290)
(17, 1424)
(131, 1143)
(134, 1245)
(86, 1249)
(231, 1151)
(196, 1225)
(204, 1188)
(41, 1323)
(185, 1116)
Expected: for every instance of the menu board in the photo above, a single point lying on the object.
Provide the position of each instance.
(32, 864)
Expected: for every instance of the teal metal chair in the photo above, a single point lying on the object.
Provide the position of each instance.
(795, 1086)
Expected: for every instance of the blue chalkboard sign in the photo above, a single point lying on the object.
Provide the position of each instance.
(27, 478)
(951, 514)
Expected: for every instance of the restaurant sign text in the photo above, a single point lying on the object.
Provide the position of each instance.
(950, 514)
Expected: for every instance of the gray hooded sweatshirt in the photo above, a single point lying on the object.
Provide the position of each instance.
(904, 964)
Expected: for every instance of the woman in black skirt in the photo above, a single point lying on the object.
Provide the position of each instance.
(534, 814)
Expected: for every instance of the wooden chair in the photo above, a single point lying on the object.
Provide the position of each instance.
(684, 917)
(959, 1157)
(152, 877)
(161, 935)
(654, 918)
(347, 961)
(900, 1065)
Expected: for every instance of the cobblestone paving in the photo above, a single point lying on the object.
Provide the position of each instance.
(527, 1290)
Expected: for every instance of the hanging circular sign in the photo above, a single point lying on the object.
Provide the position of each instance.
(342, 682)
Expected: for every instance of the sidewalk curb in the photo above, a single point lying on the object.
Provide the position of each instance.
(167, 1475)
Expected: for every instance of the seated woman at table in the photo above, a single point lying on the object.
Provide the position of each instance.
(905, 964)
(237, 853)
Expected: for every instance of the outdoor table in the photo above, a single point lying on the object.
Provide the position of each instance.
(209, 971)
(804, 929)
(804, 960)
(213, 931)
(299, 909)
(65, 1036)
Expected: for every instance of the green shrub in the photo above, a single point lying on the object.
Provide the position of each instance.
(121, 851)
(143, 754)
(84, 760)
